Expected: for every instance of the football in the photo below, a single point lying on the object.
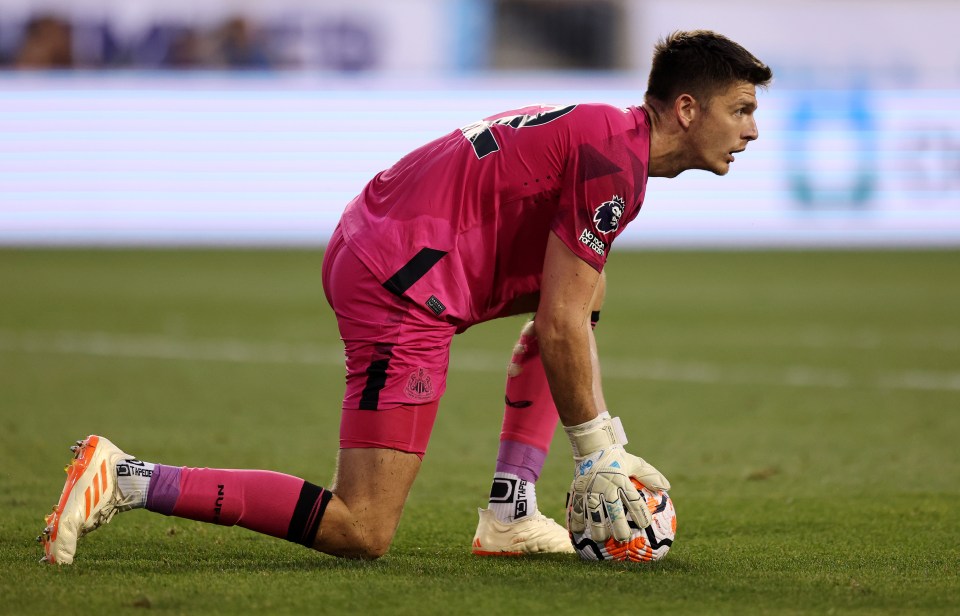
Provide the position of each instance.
(645, 545)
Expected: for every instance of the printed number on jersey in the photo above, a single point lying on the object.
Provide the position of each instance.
(483, 140)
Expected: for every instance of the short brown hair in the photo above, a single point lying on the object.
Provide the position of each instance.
(701, 63)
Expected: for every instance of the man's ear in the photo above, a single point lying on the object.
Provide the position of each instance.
(686, 108)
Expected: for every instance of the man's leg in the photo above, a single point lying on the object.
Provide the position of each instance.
(396, 359)
(512, 525)
(371, 487)
(357, 517)
(358, 522)
(378, 461)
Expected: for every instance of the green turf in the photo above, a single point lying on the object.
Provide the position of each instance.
(806, 407)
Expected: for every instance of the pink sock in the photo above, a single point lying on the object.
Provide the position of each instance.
(263, 501)
(529, 417)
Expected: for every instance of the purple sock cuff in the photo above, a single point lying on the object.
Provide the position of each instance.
(524, 461)
(164, 489)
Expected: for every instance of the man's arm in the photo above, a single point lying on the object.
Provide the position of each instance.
(563, 331)
(602, 492)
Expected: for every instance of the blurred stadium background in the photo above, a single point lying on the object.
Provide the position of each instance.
(802, 397)
(237, 122)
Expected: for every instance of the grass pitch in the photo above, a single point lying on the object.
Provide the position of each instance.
(806, 407)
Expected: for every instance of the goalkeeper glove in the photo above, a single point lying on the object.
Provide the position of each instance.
(602, 492)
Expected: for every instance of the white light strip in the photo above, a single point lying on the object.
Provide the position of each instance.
(111, 345)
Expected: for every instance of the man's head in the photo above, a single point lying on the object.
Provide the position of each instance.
(701, 63)
(706, 83)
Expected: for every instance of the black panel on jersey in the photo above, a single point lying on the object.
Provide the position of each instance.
(413, 271)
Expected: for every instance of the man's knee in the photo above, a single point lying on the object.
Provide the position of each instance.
(525, 349)
(528, 330)
(375, 544)
(370, 489)
(368, 544)
(355, 531)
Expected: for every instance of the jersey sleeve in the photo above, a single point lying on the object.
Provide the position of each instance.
(595, 201)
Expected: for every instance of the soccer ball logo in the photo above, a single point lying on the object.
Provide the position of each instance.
(645, 545)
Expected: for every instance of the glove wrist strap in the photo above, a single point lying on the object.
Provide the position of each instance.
(596, 434)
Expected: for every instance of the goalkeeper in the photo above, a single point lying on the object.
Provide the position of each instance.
(513, 214)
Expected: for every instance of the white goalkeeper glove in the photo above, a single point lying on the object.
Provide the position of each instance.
(602, 491)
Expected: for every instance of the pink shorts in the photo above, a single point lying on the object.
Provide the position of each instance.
(397, 354)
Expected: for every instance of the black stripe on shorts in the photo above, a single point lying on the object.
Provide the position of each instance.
(376, 378)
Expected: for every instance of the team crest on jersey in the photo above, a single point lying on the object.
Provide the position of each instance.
(607, 217)
(419, 386)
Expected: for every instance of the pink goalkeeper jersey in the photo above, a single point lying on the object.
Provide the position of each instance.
(460, 225)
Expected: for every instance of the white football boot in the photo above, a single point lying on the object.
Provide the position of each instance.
(536, 534)
(90, 498)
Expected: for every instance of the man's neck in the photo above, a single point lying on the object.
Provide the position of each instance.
(666, 154)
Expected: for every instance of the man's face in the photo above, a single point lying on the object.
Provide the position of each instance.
(725, 126)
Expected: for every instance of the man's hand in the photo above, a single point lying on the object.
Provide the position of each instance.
(602, 492)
